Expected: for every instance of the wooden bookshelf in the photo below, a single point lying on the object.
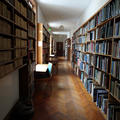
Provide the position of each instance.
(43, 47)
(102, 39)
(16, 21)
(68, 49)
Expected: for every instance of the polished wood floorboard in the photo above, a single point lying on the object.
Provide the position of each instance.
(64, 98)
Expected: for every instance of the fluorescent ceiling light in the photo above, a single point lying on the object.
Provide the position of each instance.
(56, 25)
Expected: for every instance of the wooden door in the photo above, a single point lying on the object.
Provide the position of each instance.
(59, 48)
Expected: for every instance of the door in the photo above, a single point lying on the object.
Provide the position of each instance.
(59, 48)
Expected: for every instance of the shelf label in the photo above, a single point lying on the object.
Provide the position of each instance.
(39, 43)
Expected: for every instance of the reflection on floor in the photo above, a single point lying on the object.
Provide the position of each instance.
(64, 98)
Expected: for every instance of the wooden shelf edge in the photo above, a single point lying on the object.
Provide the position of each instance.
(102, 71)
(7, 49)
(116, 58)
(114, 97)
(20, 27)
(7, 19)
(12, 71)
(6, 62)
(6, 34)
(103, 55)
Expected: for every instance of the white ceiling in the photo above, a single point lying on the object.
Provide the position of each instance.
(61, 15)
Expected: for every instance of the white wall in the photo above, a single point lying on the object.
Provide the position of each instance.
(94, 6)
(9, 93)
(41, 18)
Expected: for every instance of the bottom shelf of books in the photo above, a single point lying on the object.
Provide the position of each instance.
(100, 96)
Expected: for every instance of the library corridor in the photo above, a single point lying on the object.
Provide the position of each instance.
(65, 98)
(59, 59)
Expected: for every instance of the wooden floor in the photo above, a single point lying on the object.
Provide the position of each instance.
(64, 98)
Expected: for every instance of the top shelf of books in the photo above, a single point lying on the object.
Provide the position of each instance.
(108, 13)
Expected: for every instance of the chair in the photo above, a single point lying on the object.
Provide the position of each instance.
(43, 76)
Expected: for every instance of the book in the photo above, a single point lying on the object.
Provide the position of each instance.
(95, 90)
(113, 111)
(104, 47)
(116, 49)
(101, 95)
(115, 88)
(5, 56)
(31, 31)
(102, 62)
(104, 105)
(105, 31)
(6, 27)
(115, 69)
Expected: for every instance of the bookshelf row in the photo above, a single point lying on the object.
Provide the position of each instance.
(46, 44)
(96, 58)
(17, 35)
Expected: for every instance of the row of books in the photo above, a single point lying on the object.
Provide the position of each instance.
(6, 27)
(5, 43)
(20, 21)
(85, 29)
(31, 15)
(5, 56)
(81, 75)
(82, 66)
(91, 24)
(116, 48)
(4, 69)
(21, 33)
(105, 31)
(20, 7)
(23, 52)
(90, 47)
(31, 31)
(89, 59)
(113, 111)
(115, 88)
(115, 70)
(4, 10)
(102, 63)
(104, 47)
(104, 14)
(117, 28)
(46, 33)
(89, 70)
(99, 95)
(18, 62)
(20, 53)
(17, 43)
(23, 43)
(101, 78)
(91, 36)
(78, 47)
(17, 53)
(110, 10)
(79, 32)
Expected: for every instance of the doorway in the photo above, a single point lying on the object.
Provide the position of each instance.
(59, 48)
